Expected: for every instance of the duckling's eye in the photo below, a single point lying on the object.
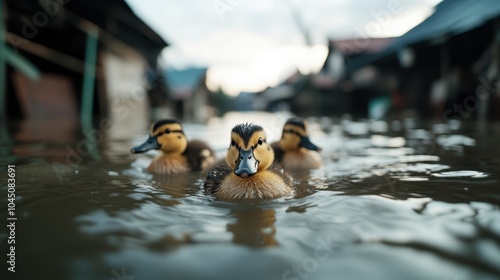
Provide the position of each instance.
(167, 131)
(233, 143)
(260, 141)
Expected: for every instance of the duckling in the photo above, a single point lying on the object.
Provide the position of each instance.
(178, 154)
(247, 172)
(295, 150)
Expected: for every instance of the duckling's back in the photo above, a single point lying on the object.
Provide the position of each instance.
(215, 176)
(199, 155)
(296, 160)
(278, 152)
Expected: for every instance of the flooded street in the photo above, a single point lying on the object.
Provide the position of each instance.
(394, 200)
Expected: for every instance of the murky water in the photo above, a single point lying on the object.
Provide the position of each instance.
(395, 200)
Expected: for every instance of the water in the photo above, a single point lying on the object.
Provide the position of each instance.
(395, 200)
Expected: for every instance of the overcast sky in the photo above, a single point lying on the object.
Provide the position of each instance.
(251, 44)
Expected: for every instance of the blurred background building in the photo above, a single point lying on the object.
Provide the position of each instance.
(441, 64)
(189, 93)
(446, 67)
(70, 60)
(82, 60)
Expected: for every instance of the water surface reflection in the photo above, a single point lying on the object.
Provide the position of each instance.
(395, 200)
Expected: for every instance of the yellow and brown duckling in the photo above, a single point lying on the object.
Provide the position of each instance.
(295, 150)
(248, 172)
(178, 154)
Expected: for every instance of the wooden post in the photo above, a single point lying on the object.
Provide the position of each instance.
(89, 75)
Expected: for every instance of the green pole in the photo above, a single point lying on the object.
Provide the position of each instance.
(21, 64)
(89, 75)
(2, 62)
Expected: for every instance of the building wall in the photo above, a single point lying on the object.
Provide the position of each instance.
(125, 90)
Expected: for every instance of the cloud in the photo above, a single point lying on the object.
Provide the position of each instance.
(231, 46)
(268, 68)
(254, 29)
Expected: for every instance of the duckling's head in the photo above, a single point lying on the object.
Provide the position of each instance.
(166, 135)
(249, 151)
(295, 136)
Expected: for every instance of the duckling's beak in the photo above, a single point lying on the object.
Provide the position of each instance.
(150, 144)
(305, 142)
(247, 164)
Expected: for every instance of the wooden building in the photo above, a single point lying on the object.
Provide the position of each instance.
(188, 90)
(64, 60)
(442, 63)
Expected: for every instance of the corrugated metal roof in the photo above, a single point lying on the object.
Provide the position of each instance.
(357, 46)
(113, 16)
(451, 17)
(188, 78)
